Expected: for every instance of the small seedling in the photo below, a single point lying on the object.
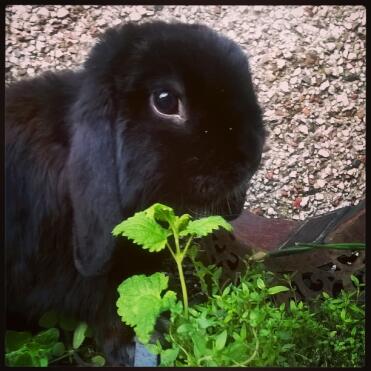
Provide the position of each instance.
(156, 229)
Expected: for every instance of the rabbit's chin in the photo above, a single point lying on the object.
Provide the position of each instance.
(227, 203)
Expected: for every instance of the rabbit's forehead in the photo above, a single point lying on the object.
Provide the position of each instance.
(195, 72)
(187, 52)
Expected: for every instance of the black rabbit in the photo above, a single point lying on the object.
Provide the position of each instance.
(160, 112)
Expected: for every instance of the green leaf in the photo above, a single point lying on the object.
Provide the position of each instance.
(277, 289)
(258, 256)
(48, 337)
(79, 335)
(153, 348)
(325, 295)
(204, 322)
(221, 340)
(58, 349)
(98, 361)
(343, 314)
(184, 328)
(161, 212)
(144, 231)
(204, 226)
(260, 283)
(292, 306)
(43, 362)
(226, 291)
(140, 302)
(199, 345)
(168, 357)
(182, 222)
(243, 331)
(49, 319)
(19, 358)
(355, 280)
(15, 339)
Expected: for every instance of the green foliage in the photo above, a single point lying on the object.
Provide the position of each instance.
(146, 228)
(23, 349)
(242, 325)
(146, 304)
(63, 338)
(79, 335)
(239, 325)
(144, 231)
(203, 227)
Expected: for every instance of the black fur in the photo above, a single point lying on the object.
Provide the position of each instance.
(84, 150)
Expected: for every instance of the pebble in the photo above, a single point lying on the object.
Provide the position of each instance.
(62, 12)
(324, 85)
(320, 183)
(343, 99)
(281, 63)
(304, 201)
(324, 153)
(43, 12)
(284, 86)
(303, 129)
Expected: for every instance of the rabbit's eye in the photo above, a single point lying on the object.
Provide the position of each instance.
(165, 102)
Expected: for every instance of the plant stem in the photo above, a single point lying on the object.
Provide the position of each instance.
(171, 250)
(187, 246)
(68, 353)
(183, 284)
(178, 256)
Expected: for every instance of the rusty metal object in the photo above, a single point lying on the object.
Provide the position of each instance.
(315, 271)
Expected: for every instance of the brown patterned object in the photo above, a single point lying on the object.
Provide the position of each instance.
(315, 271)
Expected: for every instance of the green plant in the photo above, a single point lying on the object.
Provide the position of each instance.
(239, 324)
(63, 338)
(157, 228)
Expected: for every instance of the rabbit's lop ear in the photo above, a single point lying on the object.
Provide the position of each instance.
(92, 175)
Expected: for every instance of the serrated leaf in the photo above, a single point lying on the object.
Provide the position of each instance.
(144, 231)
(79, 335)
(98, 361)
(221, 340)
(49, 319)
(276, 289)
(204, 226)
(160, 212)
(140, 302)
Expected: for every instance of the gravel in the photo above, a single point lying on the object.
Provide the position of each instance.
(308, 65)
